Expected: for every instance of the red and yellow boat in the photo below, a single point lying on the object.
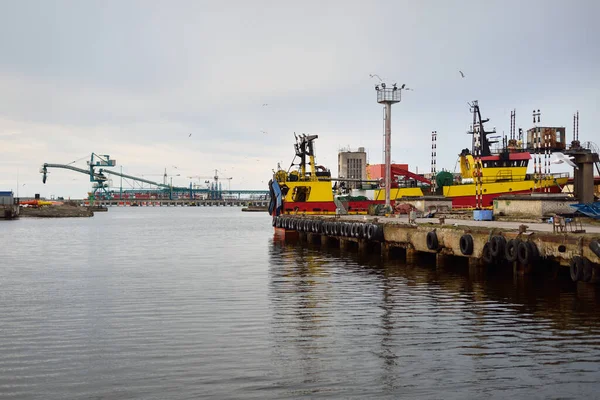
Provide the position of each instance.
(308, 189)
(504, 172)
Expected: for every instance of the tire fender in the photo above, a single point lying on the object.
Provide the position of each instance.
(466, 244)
(432, 241)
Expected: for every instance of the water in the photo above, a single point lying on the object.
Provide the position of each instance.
(182, 303)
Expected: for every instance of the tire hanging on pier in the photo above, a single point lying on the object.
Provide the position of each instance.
(511, 250)
(372, 231)
(595, 247)
(497, 246)
(432, 241)
(576, 268)
(486, 254)
(466, 244)
(363, 230)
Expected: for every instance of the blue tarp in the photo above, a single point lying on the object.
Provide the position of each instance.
(591, 210)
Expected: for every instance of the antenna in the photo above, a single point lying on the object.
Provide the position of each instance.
(477, 156)
(513, 117)
(577, 130)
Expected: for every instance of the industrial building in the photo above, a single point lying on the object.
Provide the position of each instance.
(352, 165)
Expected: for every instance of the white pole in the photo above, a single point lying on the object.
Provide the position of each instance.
(388, 140)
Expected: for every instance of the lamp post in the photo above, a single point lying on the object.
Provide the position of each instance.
(388, 96)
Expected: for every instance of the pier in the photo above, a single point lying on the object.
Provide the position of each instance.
(176, 203)
(481, 244)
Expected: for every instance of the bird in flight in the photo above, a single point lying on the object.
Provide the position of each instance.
(461, 74)
(376, 76)
(190, 135)
(265, 132)
(265, 104)
(560, 158)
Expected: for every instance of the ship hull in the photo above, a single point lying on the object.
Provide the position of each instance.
(463, 196)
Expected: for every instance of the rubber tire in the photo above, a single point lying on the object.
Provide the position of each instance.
(371, 229)
(576, 268)
(486, 254)
(587, 270)
(466, 245)
(364, 230)
(274, 222)
(511, 250)
(347, 229)
(595, 247)
(336, 228)
(535, 253)
(524, 253)
(497, 245)
(432, 241)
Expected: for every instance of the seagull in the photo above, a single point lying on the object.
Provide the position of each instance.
(461, 74)
(562, 158)
(265, 132)
(190, 135)
(376, 76)
(265, 104)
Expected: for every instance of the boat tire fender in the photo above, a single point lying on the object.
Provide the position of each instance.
(364, 228)
(576, 268)
(511, 250)
(358, 230)
(524, 253)
(497, 245)
(346, 230)
(486, 254)
(371, 231)
(535, 252)
(595, 247)
(432, 241)
(466, 244)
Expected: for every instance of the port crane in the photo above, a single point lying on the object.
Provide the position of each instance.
(98, 173)
(215, 177)
(214, 189)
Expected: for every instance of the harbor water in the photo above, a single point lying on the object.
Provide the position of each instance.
(203, 302)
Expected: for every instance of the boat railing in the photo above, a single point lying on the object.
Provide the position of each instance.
(510, 177)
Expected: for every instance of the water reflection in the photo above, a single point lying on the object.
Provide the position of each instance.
(391, 329)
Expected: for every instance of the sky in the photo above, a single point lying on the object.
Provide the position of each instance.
(133, 79)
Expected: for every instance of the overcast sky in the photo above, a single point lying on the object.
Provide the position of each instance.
(133, 79)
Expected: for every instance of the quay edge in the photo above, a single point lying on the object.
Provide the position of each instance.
(496, 244)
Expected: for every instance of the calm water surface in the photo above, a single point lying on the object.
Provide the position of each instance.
(184, 303)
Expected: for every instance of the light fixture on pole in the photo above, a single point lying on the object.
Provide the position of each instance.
(388, 96)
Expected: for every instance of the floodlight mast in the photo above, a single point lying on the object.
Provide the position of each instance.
(388, 96)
